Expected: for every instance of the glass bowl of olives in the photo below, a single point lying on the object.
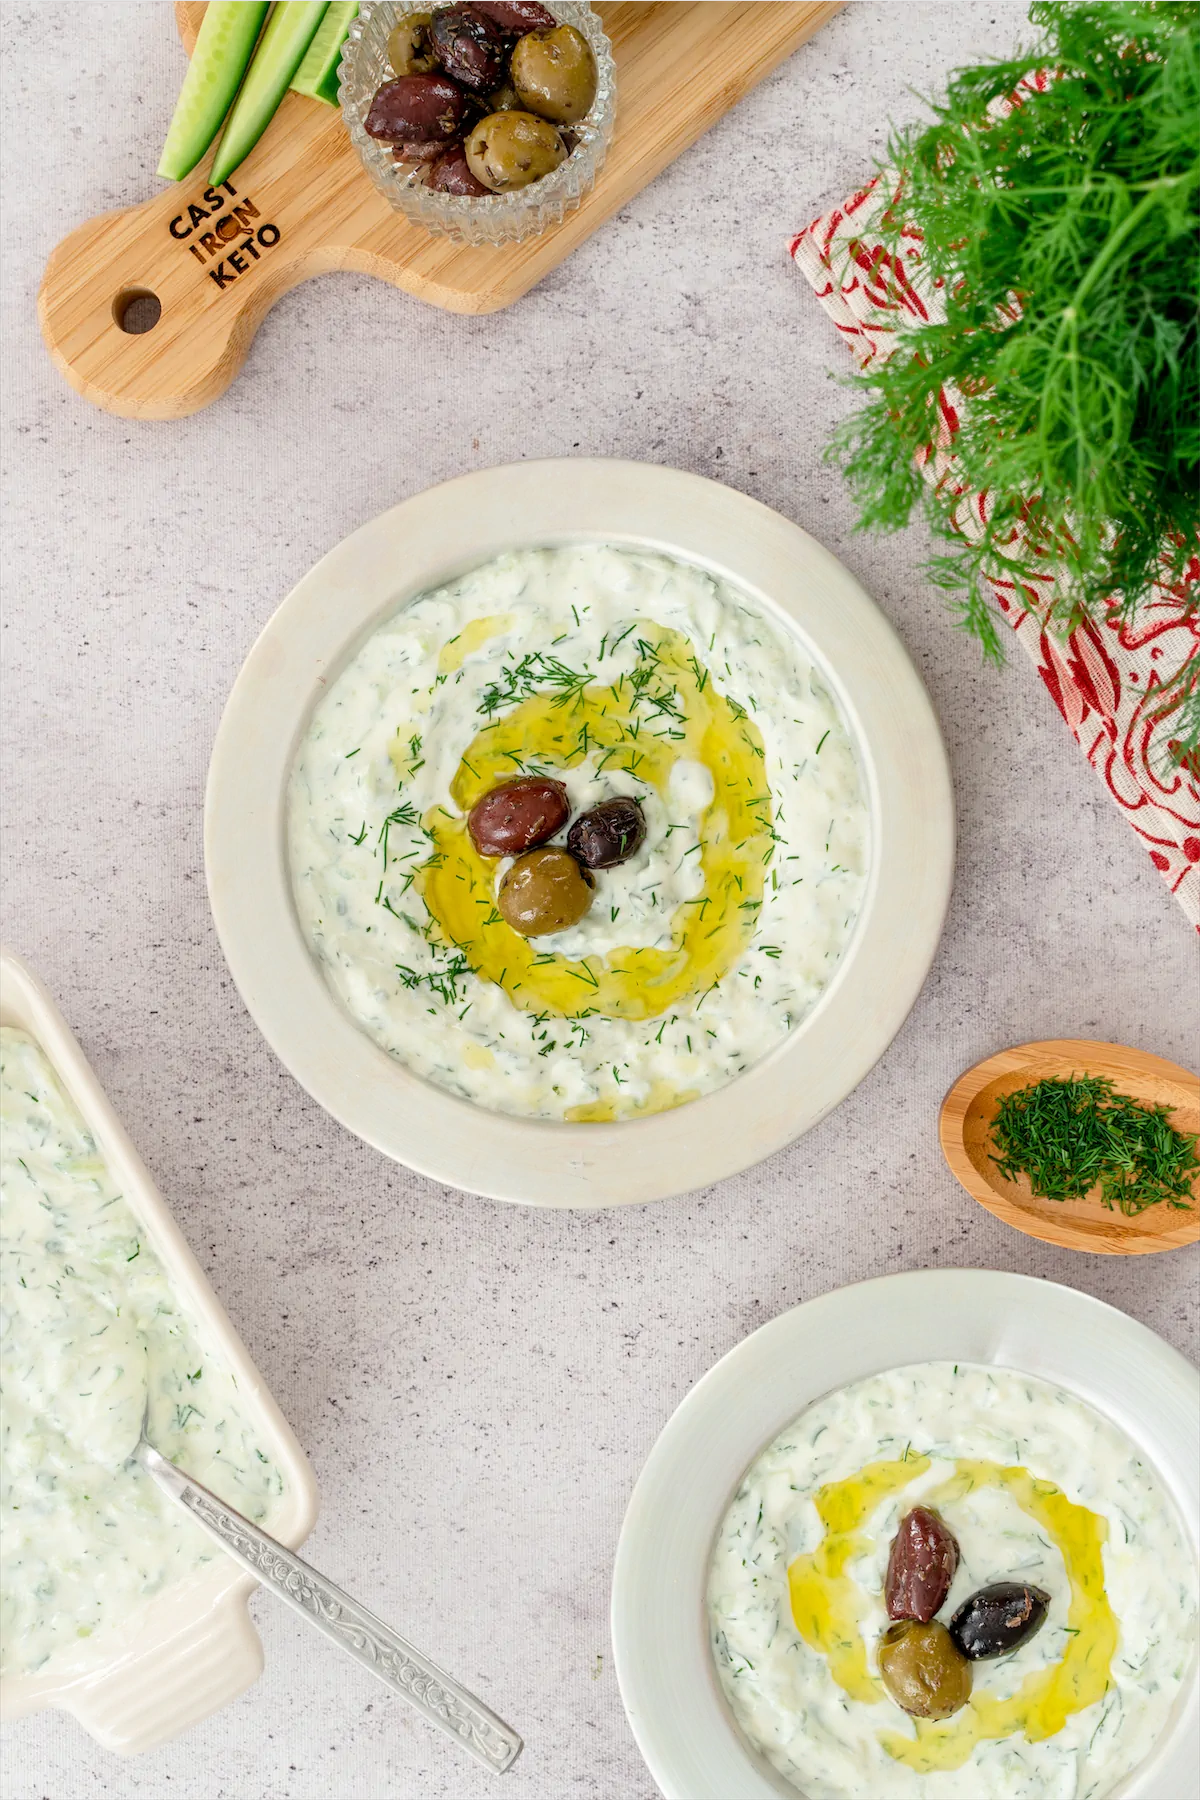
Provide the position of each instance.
(485, 120)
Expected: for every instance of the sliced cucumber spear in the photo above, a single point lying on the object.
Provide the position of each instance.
(317, 75)
(290, 30)
(226, 38)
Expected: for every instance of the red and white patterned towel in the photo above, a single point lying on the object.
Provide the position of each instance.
(1103, 678)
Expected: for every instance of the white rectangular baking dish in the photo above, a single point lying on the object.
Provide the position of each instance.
(193, 1647)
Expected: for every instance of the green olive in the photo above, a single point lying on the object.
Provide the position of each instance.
(504, 99)
(544, 891)
(554, 73)
(409, 49)
(922, 1669)
(510, 149)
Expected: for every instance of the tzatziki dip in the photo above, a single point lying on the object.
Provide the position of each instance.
(90, 1329)
(621, 675)
(1037, 1489)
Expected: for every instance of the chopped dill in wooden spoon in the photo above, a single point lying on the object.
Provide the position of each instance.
(1071, 1135)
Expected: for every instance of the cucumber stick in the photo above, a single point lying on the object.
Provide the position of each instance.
(317, 75)
(228, 33)
(289, 31)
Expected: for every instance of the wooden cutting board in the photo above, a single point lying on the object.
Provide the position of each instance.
(301, 204)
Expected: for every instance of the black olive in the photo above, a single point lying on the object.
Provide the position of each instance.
(608, 834)
(416, 109)
(418, 151)
(451, 174)
(517, 15)
(470, 47)
(997, 1618)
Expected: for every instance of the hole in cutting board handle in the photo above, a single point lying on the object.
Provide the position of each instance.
(136, 310)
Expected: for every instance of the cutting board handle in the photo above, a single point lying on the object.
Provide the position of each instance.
(201, 284)
(150, 312)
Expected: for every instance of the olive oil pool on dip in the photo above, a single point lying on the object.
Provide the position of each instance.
(665, 881)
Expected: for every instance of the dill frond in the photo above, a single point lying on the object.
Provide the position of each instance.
(1064, 229)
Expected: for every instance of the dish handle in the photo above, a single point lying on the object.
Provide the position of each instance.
(166, 1684)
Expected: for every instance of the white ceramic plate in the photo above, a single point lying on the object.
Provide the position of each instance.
(660, 1632)
(193, 1647)
(441, 533)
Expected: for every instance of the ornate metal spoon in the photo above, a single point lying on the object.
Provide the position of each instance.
(472, 1725)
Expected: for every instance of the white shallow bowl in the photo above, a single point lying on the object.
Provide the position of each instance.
(193, 1647)
(678, 1712)
(442, 533)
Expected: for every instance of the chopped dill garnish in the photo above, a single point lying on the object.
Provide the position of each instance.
(1070, 1135)
(536, 673)
(442, 981)
(402, 815)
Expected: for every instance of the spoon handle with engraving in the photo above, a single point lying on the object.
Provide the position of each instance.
(389, 1657)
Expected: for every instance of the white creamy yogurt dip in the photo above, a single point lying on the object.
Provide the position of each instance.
(618, 673)
(1123, 1614)
(89, 1326)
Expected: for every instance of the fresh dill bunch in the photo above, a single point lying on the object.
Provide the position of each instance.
(1064, 231)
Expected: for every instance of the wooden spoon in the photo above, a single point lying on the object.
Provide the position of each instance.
(965, 1130)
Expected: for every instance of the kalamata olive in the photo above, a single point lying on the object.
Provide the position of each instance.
(510, 149)
(608, 834)
(554, 73)
(921, 1566)
(517, 15)
(922, 1669)
(544, 891)
(416, 109)
(451, 174)
(409, 49)
(518, 814)
(469, 46)
(997, 1618)
(419, 152)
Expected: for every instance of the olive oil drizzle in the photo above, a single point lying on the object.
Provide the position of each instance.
(828, 1608)
(472, 637)
(625, 726)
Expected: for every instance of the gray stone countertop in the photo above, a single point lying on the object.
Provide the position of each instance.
(478, 1385)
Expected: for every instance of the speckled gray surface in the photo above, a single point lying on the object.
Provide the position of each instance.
(477, 1386)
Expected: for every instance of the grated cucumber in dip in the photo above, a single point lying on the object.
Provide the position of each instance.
(89, 1326)
(620, 674)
